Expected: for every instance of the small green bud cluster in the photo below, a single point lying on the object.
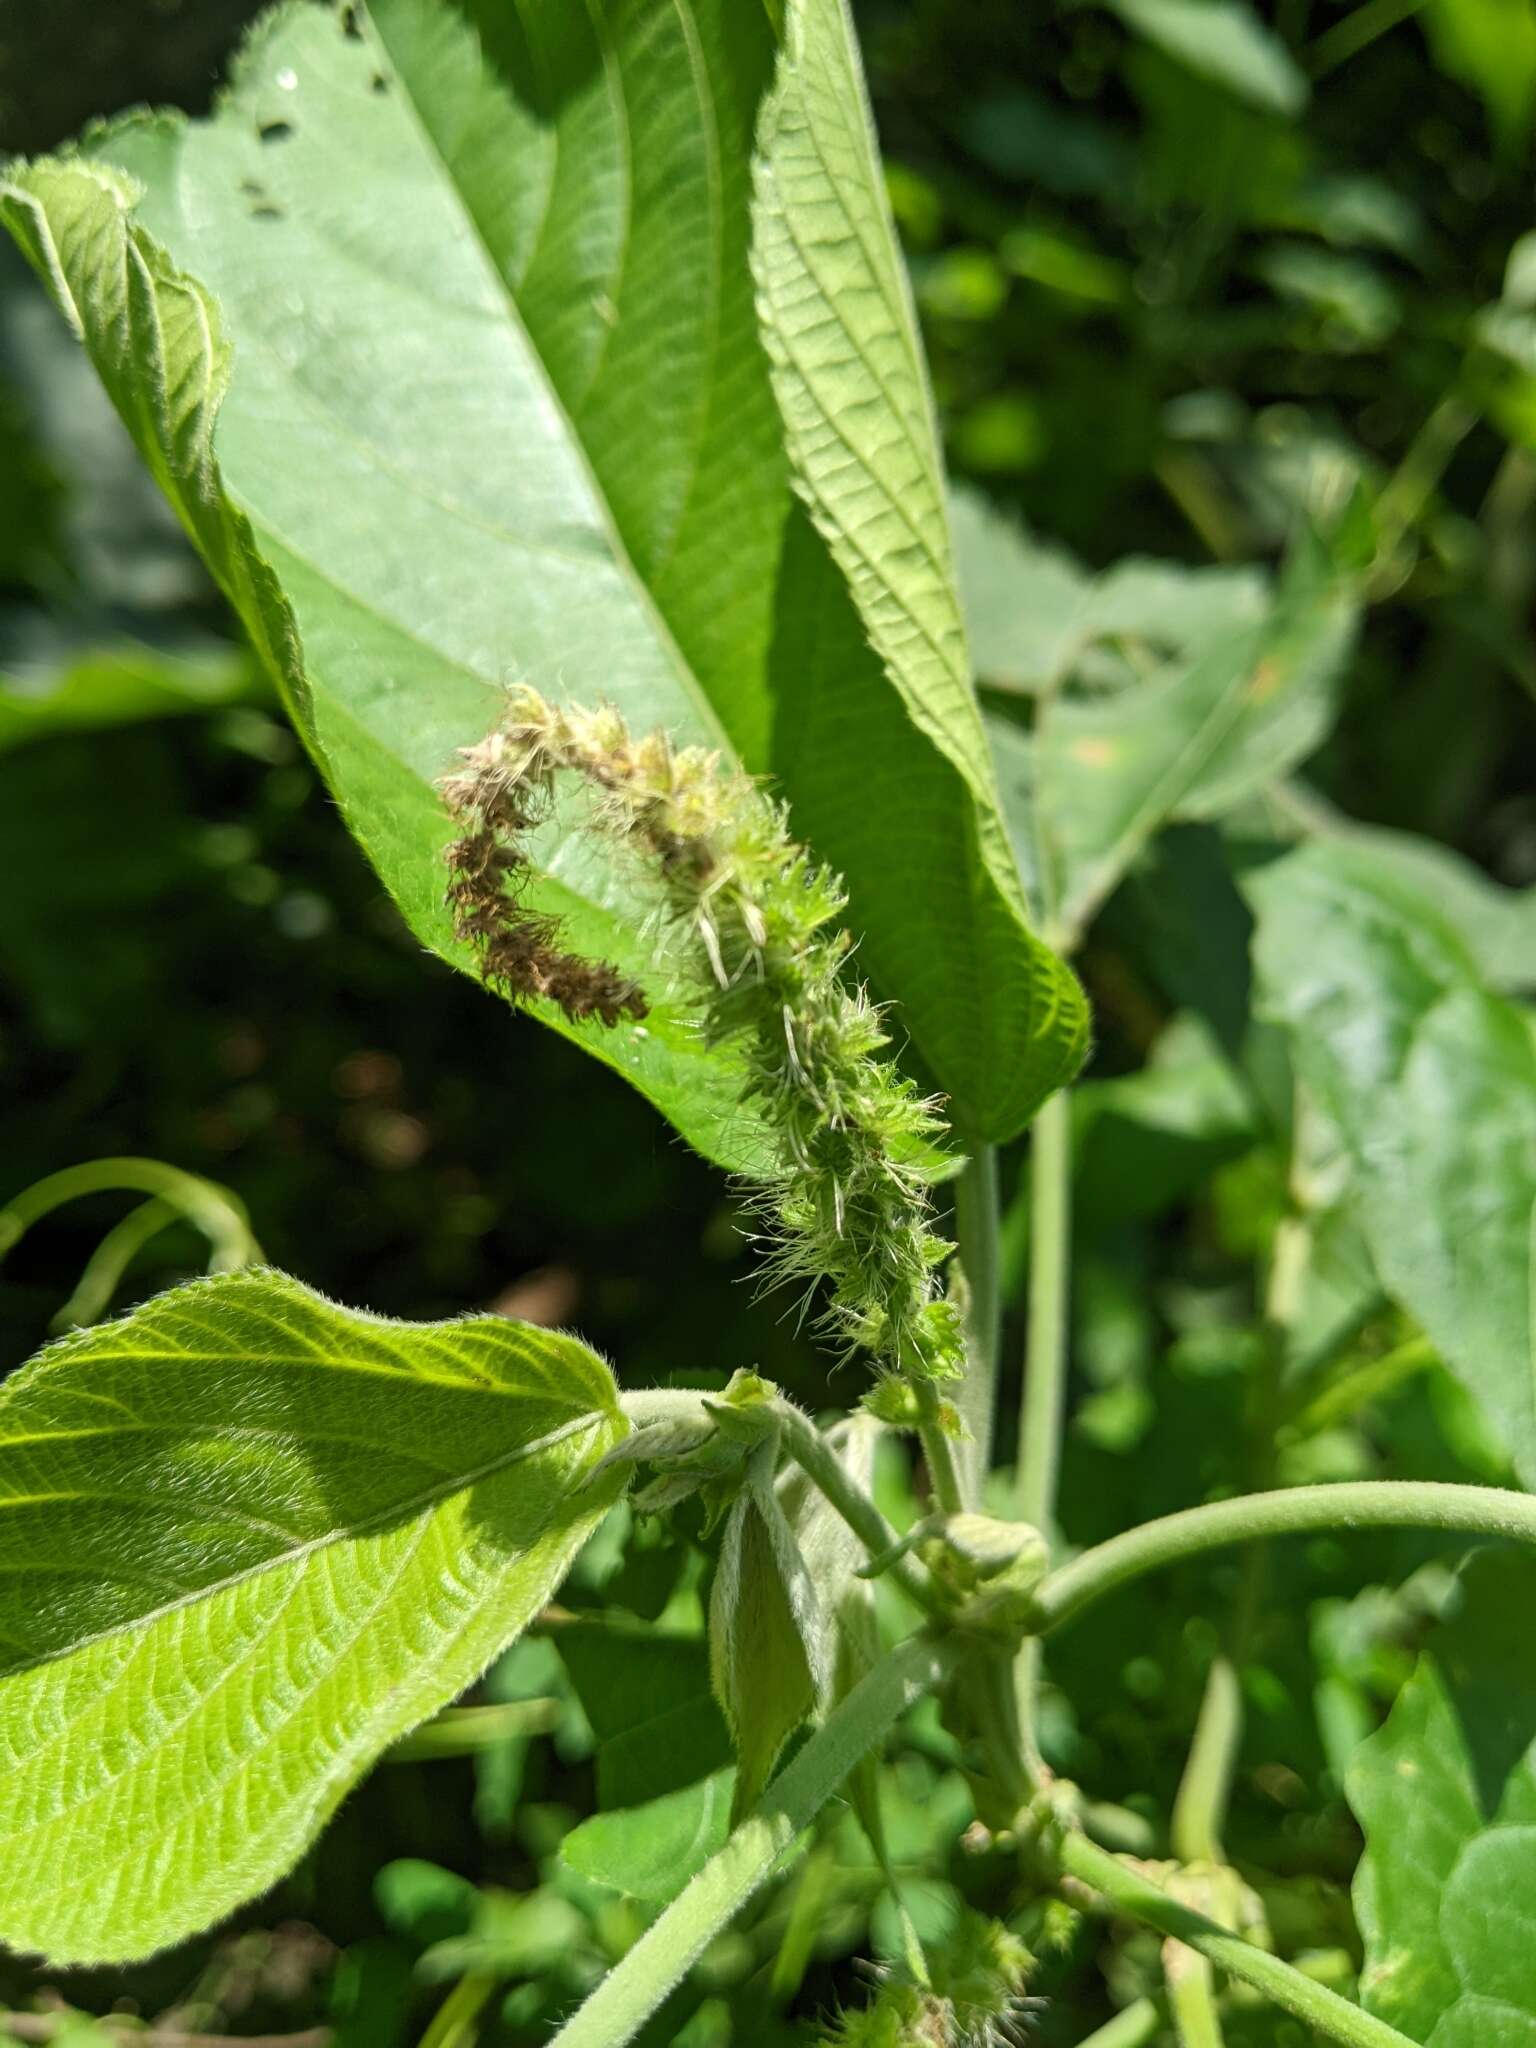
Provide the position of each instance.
(847, 1202)
(974, 1999)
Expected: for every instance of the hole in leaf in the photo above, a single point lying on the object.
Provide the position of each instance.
(380, 82)
(351, 27)
(274, 131)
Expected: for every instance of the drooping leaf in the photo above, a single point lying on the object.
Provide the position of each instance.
(249, 1539)
(664, 1774)
(466, 293)
(1101, 772)
(1446, 1794)
(1430, 1078)
(841, 336)
(769, 1644)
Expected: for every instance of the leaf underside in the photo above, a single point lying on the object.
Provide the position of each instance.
(499, 409)
(247, 1540)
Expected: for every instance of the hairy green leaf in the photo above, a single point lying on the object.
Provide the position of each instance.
(466, 295)
(848, 373)
(1431, 1081)
(248, 1539)
(1446, 1794)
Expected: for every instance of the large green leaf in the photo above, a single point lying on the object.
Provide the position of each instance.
(859, 752)
(248, 1539)
(1430, 1078)
(1446, 1794)
(1103, 769)
(499, 408)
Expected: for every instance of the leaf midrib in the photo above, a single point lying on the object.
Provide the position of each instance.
(692, 685)
(395, 1512)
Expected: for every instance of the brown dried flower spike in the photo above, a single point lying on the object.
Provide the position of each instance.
(519, 949)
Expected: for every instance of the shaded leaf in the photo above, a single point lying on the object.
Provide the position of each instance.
(1430, 1078)
(663, 1759)
(1446, 1794)
(293, 1533)
(1086, 790)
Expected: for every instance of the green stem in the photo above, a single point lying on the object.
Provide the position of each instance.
(1366, 1383)
(976, 1229)
(1490, 1511)
(454, 2023)
(938, 1449)
(1133, 1894)
(1201, 1801)
(825, 1469)
(631, 1991)
(1347, 38)
(1191, 1983)
(111, 1259)
(1042, 1405)
(213, 1210)
(1132, 2028)
(1045, 1361)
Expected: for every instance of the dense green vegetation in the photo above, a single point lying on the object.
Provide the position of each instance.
(591, 369)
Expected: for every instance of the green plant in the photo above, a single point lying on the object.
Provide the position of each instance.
(436, 393)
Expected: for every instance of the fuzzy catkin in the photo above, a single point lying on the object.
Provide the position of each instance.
(847, 1203)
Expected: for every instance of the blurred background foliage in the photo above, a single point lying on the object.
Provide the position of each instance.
(1193, 276)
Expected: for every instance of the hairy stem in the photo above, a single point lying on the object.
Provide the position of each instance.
(463, 1731)
(633, 1990)
(938, 1449)
(824, 1468)
(1488, 1511)
(1191, 1985)
(976, 1228)
(1125, 1887)
(1200, 1804)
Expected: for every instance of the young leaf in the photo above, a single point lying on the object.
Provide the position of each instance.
(499, 408)
(1446, 1794)
(248, 1540)
(768, 1643)
(1431, 1080)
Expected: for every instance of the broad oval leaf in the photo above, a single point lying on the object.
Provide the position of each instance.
(1446, 1795)
(498, 409)
(1431, 1080)
(248, 1539)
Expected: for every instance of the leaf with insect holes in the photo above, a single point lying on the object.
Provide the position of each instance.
(769, 1649)
(1103, 770)
(249, 1539)
(441, 335)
